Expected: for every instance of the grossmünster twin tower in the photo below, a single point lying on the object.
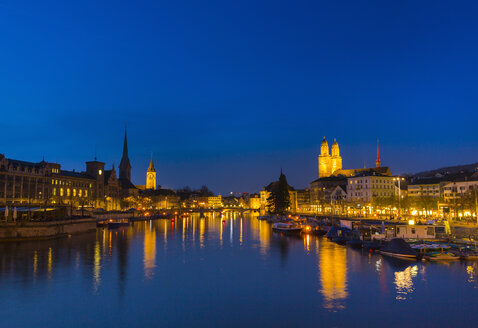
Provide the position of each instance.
(330, 164)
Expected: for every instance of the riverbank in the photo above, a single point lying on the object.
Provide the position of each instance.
(30, 230)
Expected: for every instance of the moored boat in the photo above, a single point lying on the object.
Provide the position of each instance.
(470, 257)
(286, 227)
(441, 256)
(399, 248)
(113, 224)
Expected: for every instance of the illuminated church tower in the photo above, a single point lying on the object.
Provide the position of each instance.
(324, 160)
(336, 161)
(151, 175)
(328, 165)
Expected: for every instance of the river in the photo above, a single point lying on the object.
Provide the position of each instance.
(203, 272)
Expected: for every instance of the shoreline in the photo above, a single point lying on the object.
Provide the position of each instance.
(24, 231)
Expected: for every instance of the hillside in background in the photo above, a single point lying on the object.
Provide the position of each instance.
(450, 170)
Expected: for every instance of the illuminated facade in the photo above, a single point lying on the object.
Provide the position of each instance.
(366, 186)
(456, 190)
(151, 175)
(47, 184)
(329, 164)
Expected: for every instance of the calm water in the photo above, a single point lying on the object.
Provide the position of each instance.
(201, 272)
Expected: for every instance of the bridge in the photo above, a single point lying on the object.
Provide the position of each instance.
(204, 210)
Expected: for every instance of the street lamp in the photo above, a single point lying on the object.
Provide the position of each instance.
(399, 179)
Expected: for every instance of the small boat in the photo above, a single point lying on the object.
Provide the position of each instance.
(470, 257)
(399, 248)
(262, 217)
(113, 224)
(286, 227)
(441, 256)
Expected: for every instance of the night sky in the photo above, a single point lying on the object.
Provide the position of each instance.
(225, 93)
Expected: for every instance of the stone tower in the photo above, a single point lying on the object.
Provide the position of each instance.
(325, 167)
(336, 160)
(151, 175)
(125, 166)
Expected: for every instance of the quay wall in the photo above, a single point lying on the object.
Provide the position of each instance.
(39, 230)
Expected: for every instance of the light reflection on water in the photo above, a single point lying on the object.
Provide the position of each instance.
(230, 262)
(404, 282)
(333, 274)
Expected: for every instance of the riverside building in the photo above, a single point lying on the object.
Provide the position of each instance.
(46, 184)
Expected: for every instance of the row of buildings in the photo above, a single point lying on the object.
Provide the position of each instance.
(372, 189)
(47, 184)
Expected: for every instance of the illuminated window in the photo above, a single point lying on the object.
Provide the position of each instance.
(100, 172)
(74, 192)
(68, 192)
(61, 192)
(86, 193)
(80, 192)
(54, 191)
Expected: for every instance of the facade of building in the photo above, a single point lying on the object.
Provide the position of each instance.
(365, 187)
(254, 202)
(46, 184)
(427, 188)
(322, 188)
(455, 190)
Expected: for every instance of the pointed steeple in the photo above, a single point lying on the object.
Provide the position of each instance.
(125, 166)
(151, 164)
(377, 162)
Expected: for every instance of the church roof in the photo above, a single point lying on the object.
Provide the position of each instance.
(383, 170)
(72, 174)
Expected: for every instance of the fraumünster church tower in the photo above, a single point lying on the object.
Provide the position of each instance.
(151, 175)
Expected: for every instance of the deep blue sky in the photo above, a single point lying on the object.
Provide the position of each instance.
(226, 92)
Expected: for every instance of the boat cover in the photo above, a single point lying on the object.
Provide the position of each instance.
(338, 232)
(399, 246)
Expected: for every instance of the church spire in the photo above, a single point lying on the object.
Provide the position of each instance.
(125, 166)
(151, 164)
(377, 162)
(125, 143)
